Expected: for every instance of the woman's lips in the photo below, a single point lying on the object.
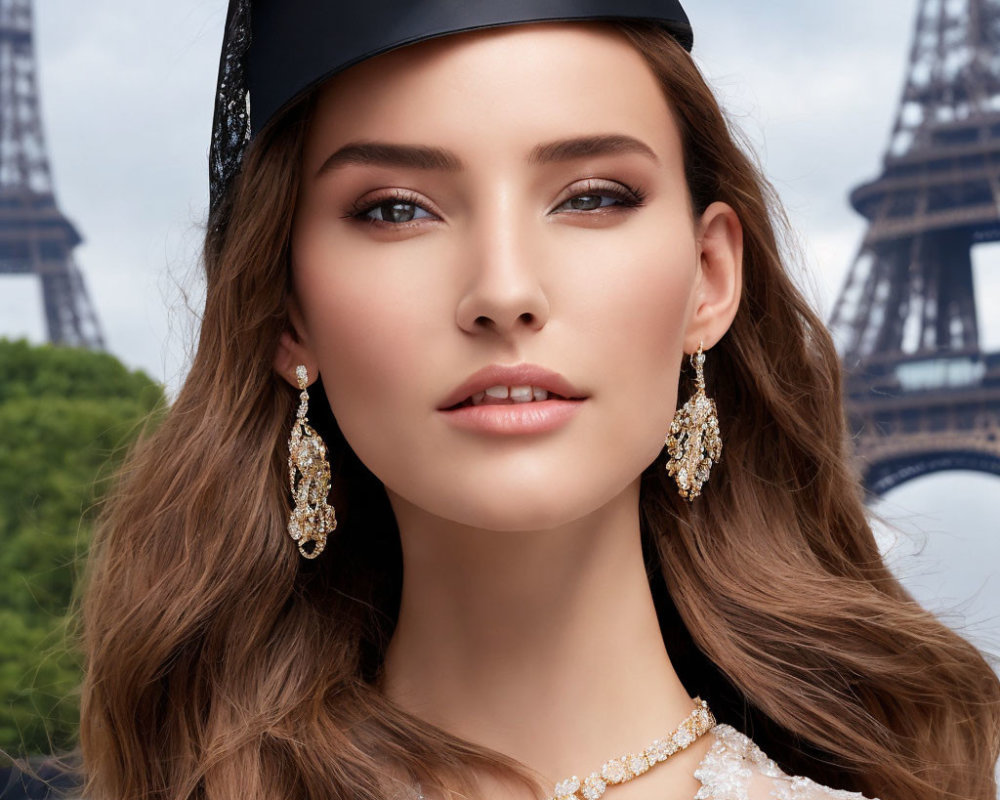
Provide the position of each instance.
(518, 399)
(537, 416)
(519, 383)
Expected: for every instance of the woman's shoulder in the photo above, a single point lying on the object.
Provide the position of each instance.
(737, 769)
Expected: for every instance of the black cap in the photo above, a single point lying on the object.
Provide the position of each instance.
(295, 44)
(274, 50)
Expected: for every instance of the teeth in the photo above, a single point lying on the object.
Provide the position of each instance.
(520, 394)
(516, 394)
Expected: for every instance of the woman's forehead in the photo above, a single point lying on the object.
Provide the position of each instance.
(536, 82)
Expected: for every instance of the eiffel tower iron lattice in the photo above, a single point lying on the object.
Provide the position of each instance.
(35, 237)
(922, 396)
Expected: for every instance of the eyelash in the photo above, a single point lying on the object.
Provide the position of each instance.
(628, 197)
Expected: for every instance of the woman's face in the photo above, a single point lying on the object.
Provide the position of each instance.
(493, 211)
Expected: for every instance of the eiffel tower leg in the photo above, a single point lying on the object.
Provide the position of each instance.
(896, 295)
(949, 269)
(860, 322)
(90, 328)
(69, 316)
(56, 296)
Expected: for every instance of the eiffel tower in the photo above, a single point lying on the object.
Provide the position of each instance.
(35, 237)
(922, 396)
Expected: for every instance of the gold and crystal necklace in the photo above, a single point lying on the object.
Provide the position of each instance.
(625, 768)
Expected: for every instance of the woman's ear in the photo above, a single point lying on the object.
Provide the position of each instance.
(720, 276)
(293, 349)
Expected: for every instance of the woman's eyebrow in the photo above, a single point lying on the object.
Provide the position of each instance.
(388, 154)
(589, 146)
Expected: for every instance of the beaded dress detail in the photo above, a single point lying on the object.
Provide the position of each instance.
(737, 769)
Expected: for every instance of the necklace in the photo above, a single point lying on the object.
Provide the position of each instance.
(625, 768)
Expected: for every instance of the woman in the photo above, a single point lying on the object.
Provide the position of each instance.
(475, 257)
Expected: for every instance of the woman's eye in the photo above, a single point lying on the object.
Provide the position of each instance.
(393, 210)
(589, 202)
(598, 197)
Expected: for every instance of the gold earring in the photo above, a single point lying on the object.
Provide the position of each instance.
(693, 443)
(312, 518)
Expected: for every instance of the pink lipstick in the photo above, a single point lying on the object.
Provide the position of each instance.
(519, 399)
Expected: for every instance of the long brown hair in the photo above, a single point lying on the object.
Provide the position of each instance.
(220, 665)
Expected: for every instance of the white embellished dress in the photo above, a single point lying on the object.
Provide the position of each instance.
(737, 769)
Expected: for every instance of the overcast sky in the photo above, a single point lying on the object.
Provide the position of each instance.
(127, 93)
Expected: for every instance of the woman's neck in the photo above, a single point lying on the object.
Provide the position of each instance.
(542, 645)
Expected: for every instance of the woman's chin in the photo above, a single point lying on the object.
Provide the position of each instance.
(516, 508)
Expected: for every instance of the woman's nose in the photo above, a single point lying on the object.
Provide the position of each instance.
(503, 292)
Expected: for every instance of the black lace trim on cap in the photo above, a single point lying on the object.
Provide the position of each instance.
(231, 123)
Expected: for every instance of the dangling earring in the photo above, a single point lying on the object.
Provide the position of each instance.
(312, 518)
(693, 443)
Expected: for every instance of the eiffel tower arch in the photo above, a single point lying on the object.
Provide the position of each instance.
(35, 237)
(922, 396)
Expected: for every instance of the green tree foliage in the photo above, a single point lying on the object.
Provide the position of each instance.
(67, 417)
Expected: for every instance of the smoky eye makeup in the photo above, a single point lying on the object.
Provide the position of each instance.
(581, 197)
(390, 207)
(399, 208)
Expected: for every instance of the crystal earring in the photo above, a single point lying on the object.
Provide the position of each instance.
(693, 443)
(312, 518)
